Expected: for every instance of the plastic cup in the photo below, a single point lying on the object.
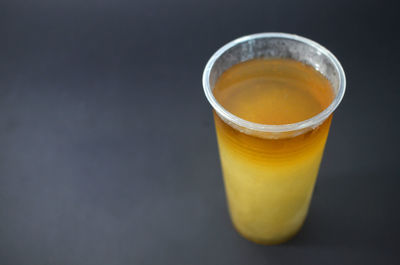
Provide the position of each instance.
(270, 171)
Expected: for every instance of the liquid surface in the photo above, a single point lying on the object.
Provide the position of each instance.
(269, 182)
(274, 91)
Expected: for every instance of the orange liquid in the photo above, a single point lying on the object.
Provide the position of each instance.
(269, 182)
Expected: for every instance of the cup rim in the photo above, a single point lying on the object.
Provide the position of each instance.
(311, 122)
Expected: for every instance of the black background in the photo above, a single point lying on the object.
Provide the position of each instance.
(108, 152)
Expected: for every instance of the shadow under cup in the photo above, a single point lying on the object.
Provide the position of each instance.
(270, 170)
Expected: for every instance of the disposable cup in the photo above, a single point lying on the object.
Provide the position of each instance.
(269, 170)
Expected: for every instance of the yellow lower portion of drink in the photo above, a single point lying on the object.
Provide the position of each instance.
(269, 182)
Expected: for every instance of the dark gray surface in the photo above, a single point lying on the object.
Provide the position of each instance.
(108, 152)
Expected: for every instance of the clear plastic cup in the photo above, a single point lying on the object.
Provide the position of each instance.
(270, 170)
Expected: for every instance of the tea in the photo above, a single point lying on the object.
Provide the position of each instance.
(269, 182)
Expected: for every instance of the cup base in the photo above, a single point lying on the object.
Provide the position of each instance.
(268, 242)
